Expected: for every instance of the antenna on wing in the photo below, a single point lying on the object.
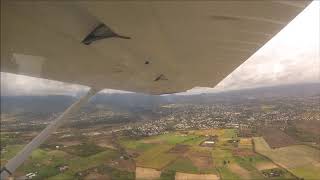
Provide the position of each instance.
(102, 31)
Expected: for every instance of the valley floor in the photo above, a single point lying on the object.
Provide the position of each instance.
(194, 154)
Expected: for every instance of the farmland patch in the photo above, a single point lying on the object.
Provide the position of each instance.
(147, 173)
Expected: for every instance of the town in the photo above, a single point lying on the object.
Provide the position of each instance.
(127, 138)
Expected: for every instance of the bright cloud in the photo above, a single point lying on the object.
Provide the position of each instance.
(292, 56)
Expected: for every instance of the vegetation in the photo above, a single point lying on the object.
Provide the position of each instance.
(232, 158)
(171, 138)
(135, 144)
(248, 164)
(116, 173)
(221, 155)
(7, 139)
(84, 150)
(301, 160)
(229, 133)
(44, 163)
(10, 151)
(277, 173)
(63, 176)
(82, 163)
(195, 140)
(307, 171)
(183, 165)
(225, 173)
(167, 175)
(156, 157)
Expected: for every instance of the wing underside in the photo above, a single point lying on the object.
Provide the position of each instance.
(170, 46)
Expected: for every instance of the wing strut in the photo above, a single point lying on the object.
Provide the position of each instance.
(16, 161)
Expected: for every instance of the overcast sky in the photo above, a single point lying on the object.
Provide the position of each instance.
(292, 56)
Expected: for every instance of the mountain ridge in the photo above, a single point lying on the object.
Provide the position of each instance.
(57, 103)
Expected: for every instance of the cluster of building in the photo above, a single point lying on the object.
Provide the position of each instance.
(276, 113)
(248, 115)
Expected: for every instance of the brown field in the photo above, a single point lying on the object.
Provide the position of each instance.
(97, 176)
(235, 168)
(147, 173)
(276, 138)
(187, 176)
(105, 141)
(132, 153)
(245, 132)
(265, 165)
(311, 126)
(69, 143)
(243, 152)
(179, 149)
(200, 159)
(2, 162)
(106, 145)
(245, 143)
(127, 165)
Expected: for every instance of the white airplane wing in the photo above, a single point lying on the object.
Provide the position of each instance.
(151, 47)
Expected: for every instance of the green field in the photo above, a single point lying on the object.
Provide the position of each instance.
(84, 150)
(156, 157)
(8, 139)
(82, 163)
(301, 160)
(167, 175)
(77, 164)
(226, 174)
(249, 164)
(170, 138)
(154, 149)
(229, 133)
(64, 176)
(45, 162)
(10, 152)
(135, 144)
(147, 142)
(183, 165)
(194, 141)
(232, 157)
(223, 155)
(307, 172)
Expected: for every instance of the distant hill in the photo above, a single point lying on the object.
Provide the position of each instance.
(291, 90)
(282, 91)
(45, 104)
(136, 101)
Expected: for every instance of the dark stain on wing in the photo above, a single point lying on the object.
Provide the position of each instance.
(161, 77)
